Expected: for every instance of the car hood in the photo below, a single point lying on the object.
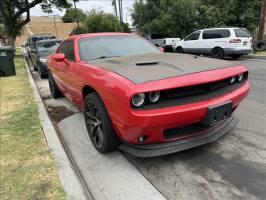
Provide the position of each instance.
(157, 66)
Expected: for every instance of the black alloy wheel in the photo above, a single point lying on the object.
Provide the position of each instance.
(94, 124)
(99, 125)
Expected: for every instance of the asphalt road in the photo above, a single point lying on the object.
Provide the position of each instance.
(234, 167)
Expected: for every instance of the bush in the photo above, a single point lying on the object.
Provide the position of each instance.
(97, 21)
(70, 15)
(78, 30)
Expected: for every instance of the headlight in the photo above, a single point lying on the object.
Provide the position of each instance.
(154, 96)
(138, 99)
(232, 80)
(43, 60)
(240, 78)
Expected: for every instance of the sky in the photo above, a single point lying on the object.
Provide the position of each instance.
(104, 5)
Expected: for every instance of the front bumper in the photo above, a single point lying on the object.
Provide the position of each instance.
(152, 150)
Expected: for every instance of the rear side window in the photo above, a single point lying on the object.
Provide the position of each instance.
(241, 33)
(215, 34)
(67, 48)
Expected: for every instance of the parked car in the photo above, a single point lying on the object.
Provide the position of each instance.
(31, 43)
(39, 56)
(218, 42)
(147, 102)
(160, 41)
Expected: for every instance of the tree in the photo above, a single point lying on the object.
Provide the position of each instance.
(97, 21)
(239, 13)
(2, 33)
(78, 30)
(177, 18)
(12, 11)
(167, 18)
(70, 15)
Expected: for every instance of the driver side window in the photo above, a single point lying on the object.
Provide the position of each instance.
(193, 36)
(67, 48)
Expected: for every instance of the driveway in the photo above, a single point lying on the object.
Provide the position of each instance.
(234, 167)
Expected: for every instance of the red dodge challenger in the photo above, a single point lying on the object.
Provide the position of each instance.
(144, 101)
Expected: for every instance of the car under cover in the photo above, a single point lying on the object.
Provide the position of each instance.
(156, 66)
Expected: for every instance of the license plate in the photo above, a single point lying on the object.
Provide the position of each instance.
(218, 113)
(245, 43)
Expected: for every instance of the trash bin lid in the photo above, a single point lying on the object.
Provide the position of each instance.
(6, 48)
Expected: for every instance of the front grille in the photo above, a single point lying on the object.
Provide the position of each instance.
(194, 90)
(196, 93)
(184, 131)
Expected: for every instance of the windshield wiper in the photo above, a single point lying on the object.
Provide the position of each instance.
(103, 57)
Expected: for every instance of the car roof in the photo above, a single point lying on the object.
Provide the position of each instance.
(220, 28)
(74, 37)
(49, 40)
(42, 35)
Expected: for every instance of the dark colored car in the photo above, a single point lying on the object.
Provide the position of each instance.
(43, 49)
(31, 42)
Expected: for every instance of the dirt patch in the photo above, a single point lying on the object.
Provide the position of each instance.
(58, 113)
(47, 97)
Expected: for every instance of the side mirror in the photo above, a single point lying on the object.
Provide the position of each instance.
(59, 57)
(161, 49)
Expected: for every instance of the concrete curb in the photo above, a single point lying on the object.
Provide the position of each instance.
(67, 176)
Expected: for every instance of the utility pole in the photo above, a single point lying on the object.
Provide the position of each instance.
(120, 6)
(262, 21)
(77, 17)
(115, 7)
(55, 27)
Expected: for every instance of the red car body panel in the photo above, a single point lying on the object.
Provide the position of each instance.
(116, 92)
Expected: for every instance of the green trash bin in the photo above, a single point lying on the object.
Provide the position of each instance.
(7, 66)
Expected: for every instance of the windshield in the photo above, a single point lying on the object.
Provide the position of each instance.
(48, 47)
(114, 46)
(242, 33)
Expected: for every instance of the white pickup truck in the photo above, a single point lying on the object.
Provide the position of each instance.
(159, 41)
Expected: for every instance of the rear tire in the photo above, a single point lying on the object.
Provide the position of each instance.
(55, 92)
(235, 57)
(2, 74)
(217, 52)
(99, 124)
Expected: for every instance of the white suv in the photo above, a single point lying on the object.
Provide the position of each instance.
(218, 42)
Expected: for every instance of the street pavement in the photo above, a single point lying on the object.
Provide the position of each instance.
(234, 167)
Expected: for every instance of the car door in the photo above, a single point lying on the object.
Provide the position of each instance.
(214, 38)
(190, 44)
(67, 69)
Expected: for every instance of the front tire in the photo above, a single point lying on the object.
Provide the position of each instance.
(41, 73)
(55, 92)
(217, 52)
(99, 125)
(179, 50)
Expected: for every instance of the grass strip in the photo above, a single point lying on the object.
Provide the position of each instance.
(27, 169)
